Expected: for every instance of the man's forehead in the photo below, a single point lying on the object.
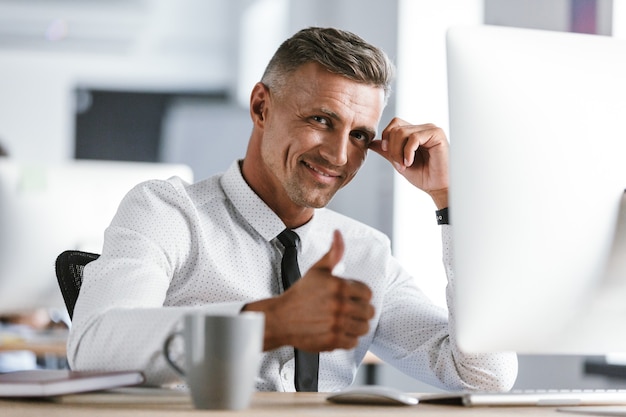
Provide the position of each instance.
(320, 77)
(337, 94)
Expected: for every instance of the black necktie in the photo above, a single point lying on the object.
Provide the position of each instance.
(307, 364)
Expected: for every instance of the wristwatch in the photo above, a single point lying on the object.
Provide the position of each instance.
(442, 216)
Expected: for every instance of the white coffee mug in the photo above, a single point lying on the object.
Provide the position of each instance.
(222, 358)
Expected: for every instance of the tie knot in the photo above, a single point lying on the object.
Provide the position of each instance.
(288, 238)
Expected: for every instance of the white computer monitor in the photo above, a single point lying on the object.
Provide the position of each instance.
(538, 172)
(48, 208)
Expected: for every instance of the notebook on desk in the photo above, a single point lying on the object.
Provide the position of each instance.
(554, 398)
(52, 382)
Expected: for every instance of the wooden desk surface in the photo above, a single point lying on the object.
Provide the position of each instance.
(165, 403)
(41, 343)
(39, 349)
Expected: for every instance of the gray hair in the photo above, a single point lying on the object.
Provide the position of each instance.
(339, 51)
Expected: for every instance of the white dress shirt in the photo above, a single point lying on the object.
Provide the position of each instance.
(174, 248)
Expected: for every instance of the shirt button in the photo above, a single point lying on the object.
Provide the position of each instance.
(285, 376)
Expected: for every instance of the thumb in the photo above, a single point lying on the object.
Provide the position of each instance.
(334, 254)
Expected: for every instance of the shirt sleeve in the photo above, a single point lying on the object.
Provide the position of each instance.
(120, 322)
(417, 337)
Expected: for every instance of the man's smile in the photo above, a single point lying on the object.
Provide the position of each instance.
(322, 172)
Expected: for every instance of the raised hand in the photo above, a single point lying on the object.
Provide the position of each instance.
(420, 154)
(320, 312)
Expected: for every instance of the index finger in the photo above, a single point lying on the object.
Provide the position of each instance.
(394, 123)
(357, 290)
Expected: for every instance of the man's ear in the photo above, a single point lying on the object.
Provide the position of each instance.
(258, 104)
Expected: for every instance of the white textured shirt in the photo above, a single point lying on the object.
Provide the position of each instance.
(174, 248)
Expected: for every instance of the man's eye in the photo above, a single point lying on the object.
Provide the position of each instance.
(320, 119)
(360, 136)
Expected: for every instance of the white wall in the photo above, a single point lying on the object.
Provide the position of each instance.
(48, 49)
(619, 19)
(422, 98)
(537, 14)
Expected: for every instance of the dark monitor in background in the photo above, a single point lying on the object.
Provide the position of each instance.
(538, 172)
(124, 125)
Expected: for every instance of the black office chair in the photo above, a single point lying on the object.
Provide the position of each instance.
(69, 270)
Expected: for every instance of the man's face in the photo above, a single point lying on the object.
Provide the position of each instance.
(317, 133)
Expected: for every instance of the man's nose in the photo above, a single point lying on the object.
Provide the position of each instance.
(335, 148)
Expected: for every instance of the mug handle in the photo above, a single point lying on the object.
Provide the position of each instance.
(166, 353)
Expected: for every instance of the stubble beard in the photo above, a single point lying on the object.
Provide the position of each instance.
(310, 197)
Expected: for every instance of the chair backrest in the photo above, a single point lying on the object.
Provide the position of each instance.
(69, 271)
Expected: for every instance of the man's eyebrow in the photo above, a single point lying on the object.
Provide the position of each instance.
(371, 132)
(330, 113)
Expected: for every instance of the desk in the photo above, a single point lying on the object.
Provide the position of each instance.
(270, 404)
(39, 349)
(39, 342)
(48, 346)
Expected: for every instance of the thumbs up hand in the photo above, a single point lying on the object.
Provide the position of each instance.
(320, 312)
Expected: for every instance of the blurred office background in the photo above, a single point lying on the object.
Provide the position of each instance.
(168, 81)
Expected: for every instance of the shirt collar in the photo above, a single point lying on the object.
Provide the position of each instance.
(254, 210)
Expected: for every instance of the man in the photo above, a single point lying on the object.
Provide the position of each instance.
(213, 246)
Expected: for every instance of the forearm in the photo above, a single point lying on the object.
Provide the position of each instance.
(418, 337)
(124, 339)
(132, 339)
(274, 335)
(488, 371)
